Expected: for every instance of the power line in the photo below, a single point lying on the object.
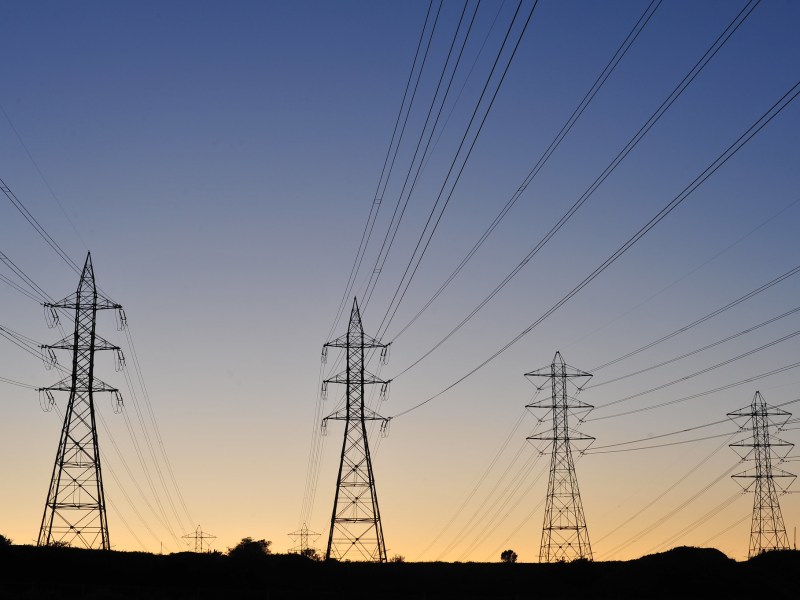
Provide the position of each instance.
(702, 371)
(18, 383)
(656, 437)
(673, 96)
(386, 321)
(38, 227)
(630, 518)
(41, 175)
(375, 206)
(729, 152)
(703, 319)
(554, 144)
(686, 275)
(698, 350)
(391, 233)
(664, 445)
(700, 394)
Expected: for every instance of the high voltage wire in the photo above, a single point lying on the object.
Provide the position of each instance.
(38, 227)
(391, 233)
(480, 481)
(696, 351)
(662, 495)
(701, 371)
(700, 394)
(39, 293)
(655, 437)
(703, 519)
(392, 311)
(662, 445)
(41, 174)
(669, 515)
(632, 143)
(729, 152)
(703, 319)
(496, 511)
(565, 129)
(467, 79)
(739, 521)
(479, 514)
(18, 288)
(377, 201)
(686, 275)
(17, 383)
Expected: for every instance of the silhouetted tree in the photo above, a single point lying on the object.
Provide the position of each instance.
(508, 556)
(4, 541)
(398, 558)
(310, 553)
(250, 548)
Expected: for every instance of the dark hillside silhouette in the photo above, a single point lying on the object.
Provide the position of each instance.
(31, 572)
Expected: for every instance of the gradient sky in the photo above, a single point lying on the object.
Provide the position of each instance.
(220, 160)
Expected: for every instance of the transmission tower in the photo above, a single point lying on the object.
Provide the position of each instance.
(564, 533)
(75, 511)
(767, 530)
(302, 537)
(356, 532)
(199, 536)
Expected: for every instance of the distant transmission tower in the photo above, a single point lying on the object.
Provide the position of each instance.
(199, 536)
(303, 537)
(564, 533)
(767, 530)
(75, 512)
(356, 532)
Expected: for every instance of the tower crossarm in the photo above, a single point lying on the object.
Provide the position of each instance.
(342, 342)
(74, 301)
(65, 385)
(68, 343)
(369, 415)
(369, 379)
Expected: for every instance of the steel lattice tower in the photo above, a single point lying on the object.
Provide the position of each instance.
(199, 536)
(564, 533)
(75, 511)
(303, 537)
(767, 530)
(356, 532)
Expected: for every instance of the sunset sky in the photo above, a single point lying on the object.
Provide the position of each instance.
(220, 161)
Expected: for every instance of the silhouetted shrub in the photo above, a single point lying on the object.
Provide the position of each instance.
(508, 556)
(250, 548)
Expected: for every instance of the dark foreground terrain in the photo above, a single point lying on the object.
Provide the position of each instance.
(29, 572)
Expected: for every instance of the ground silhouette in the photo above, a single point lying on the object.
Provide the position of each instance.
(31, 572)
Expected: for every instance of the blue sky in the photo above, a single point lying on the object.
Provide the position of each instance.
(220, 160)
